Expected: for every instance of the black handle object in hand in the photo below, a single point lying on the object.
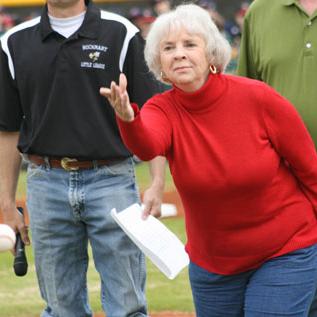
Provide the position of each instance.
(20, 264)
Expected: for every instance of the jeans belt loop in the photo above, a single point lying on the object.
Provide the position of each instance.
(47, 163)
(95, 164)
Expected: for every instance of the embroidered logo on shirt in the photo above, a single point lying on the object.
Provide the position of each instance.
(93, 56)
(94, 47)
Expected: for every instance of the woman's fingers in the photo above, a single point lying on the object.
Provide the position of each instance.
(123, 83)
(106, 92)
(113, 91)
(125, 100)
(111, 94)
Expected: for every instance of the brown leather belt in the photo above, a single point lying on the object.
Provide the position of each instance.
(68, 164)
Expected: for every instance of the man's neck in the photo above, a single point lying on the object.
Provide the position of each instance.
(310, 6)
(66, 10)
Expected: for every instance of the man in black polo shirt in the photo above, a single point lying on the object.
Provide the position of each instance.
(51, 69)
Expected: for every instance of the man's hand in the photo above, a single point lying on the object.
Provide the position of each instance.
(10, 161)
(15, 220)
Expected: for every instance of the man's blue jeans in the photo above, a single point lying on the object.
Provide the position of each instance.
(68, 210)
(281, 287)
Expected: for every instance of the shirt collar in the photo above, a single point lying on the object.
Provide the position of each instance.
(89, 29)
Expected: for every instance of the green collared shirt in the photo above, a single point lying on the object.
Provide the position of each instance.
(279, 47)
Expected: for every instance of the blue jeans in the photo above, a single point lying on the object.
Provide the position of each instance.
(313, 307)
(68, 210)
(283, 286)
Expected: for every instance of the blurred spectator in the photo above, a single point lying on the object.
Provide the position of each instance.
(233, 31)
(239, 16)
(6, 21)
(142, 19)
(161, 6)
(230, 29)
(211, 8)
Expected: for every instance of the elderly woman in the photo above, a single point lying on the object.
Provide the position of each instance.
(243, 163)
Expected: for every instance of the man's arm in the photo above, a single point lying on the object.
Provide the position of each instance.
(10, 161)
(152, 197)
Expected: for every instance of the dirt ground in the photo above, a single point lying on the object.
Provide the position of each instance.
(172, 197)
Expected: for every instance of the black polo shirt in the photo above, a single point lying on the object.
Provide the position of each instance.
(49, 85)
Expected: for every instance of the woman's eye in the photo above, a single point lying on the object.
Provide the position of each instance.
(167, 48)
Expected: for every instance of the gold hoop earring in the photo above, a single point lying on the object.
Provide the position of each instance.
(164, 78)
(213, 69)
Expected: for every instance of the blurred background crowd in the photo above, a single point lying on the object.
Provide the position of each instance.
(144, 14)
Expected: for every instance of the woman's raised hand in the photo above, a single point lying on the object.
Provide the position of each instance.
(119, 98)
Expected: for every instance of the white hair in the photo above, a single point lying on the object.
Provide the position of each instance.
(194, 20)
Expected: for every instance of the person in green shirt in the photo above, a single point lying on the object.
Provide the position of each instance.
(279, 47)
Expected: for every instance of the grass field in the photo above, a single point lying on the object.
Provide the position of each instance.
(19, 296)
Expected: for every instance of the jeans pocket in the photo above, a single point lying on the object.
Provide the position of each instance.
(119, 168)
(34, 171)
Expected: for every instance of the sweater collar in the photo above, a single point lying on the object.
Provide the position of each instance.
(205, 97)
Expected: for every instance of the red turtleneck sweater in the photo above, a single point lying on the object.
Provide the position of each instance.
(244, 165)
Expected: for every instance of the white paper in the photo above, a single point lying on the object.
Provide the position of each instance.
(157, 242)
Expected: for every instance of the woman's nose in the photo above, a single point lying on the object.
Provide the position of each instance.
(179, 54)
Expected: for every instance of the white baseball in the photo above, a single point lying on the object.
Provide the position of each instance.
(7, 238)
